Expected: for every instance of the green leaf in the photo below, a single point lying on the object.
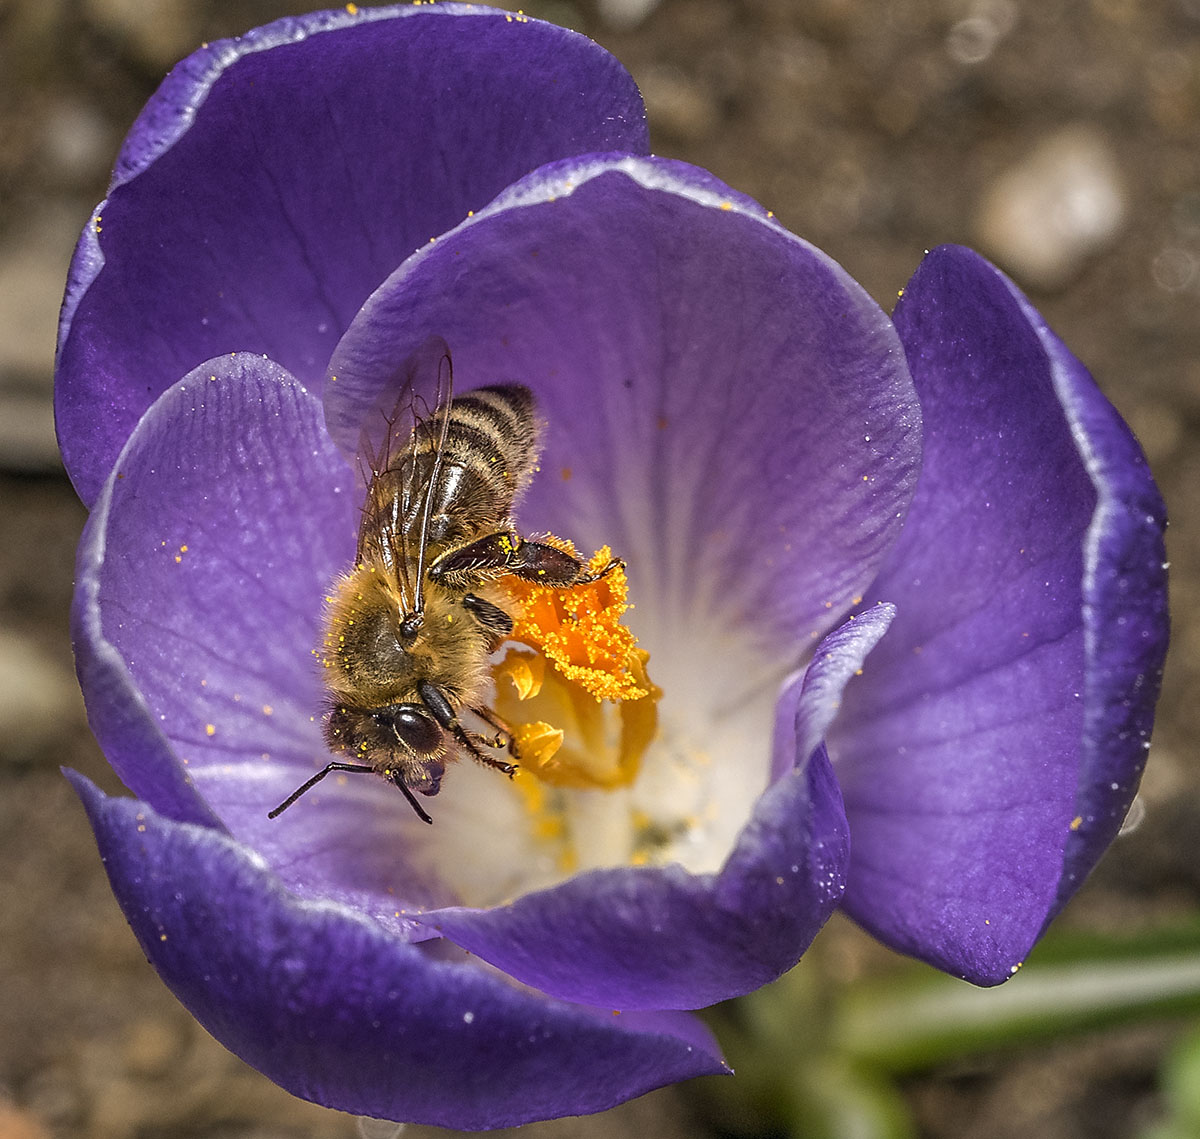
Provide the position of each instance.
(1181, 1090)
(911, 1023)
(832, 1098)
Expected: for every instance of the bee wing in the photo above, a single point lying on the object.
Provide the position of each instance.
(397, 481)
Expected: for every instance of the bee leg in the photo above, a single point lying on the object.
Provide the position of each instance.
(471, 742)
(548, 565)
(495, 622)
(479, 560)
(503, 737)
(506, 551)
(612, 564)
(439, 707)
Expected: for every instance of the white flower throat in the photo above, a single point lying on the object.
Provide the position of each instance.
(662, 775)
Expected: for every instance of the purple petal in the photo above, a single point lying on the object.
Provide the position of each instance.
(663, 938)
(991, 750)
(202, 578)
(339, 1012)
(204, 567)
(276, 179)
(231, 512)
(810, 703)
(1125, 618)
(726, 407)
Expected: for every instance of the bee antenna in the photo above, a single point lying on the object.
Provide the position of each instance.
(431, 486)
(412, 800)
(309, 784)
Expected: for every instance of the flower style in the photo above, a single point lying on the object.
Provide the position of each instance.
(793, 480)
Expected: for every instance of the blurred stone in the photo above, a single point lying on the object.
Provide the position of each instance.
(1159, 428)
(151, 1047)
(1134, 817)
(379, 1128)
(1175, 269)
(677, 105)
(1185, 212)
(160, 32)
(52, 1094)
(973, 38)
(1042, 218)
(33, 271)
(27, 439)
(36, 696)
(846, 193)
(18, 1124)
(77, 141)
(621, 15)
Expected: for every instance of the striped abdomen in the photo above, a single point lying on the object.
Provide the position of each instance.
(488, 456)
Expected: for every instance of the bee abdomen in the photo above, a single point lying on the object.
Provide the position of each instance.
(491, 448)
(494, 429)
(505, 411)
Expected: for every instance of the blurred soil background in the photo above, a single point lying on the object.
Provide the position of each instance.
(1061, 137)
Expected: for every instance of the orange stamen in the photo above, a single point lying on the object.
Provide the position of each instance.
(563, 734)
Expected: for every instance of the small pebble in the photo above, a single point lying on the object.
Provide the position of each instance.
(18, 1124)
(622, 15)
(677, 105)
(1043, 217)
(151, 1047)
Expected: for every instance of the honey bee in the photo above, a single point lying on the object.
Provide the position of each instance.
(409, 630)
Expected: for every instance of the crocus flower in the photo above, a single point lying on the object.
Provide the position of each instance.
(793, 480)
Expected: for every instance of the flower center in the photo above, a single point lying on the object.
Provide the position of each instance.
(611, 772)
(582, 708)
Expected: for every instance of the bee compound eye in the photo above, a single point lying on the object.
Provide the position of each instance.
(415, 727)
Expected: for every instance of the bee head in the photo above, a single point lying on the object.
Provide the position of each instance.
(379, 734)
(413, 726)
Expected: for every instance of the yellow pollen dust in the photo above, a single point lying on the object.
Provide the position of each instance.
(579, 630)
(582, 708)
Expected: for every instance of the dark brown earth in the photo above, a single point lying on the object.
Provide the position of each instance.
(875, 130)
